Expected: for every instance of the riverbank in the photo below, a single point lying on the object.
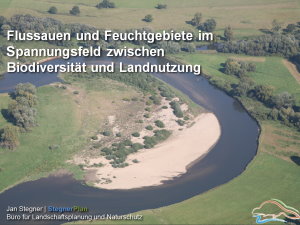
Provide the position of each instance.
(166, 161)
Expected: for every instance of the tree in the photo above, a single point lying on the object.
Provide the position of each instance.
(228, 33)
(276, 26)
(75, 10)
(290, 28)
(209, 25)
(196, 21)
(3, 21)
(21, 108)
(25, 94)
(105, 4)
(263, 93)
(161, 6)
(283, 99)
(244, 86)
(171, 47)
(148, 18)
(52, 10)
(4, 29)
(9, 137)
(22, 115)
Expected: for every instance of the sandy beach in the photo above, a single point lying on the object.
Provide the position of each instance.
(167, 160)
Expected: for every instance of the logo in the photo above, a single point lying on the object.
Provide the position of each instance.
(274, 210)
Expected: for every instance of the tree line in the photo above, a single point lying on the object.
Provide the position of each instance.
(282, 42)
(280, 106)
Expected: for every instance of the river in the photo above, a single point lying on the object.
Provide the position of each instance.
(236, 147)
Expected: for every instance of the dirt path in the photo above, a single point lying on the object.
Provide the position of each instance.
(292, 69)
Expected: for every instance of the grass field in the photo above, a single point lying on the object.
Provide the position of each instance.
(270, 70)
(57, 126)
(65, 120)
(246, 17)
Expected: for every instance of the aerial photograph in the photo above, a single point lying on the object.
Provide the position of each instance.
(150, 112)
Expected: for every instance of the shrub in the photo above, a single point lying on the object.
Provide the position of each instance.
(196, 20)
(149, 127)
(119, 134)
(159, 124)
(180, 122)
(52, 10)
(161, 6)
(106, 4)
(176, 109)
(106, 133)
(159, 136)
(155, 99)
(137, 146)
(165, 92)
(135, 134)
(147, 109)
(94, 137)
(75, 11)
(164, 107)
(148, 18)
(209, 25)
(127, 142)
(75, 92)
(147, 115)
(9, 137)
(135, 161)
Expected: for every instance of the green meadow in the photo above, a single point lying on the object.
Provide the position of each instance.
(58, 125)
(246, 17)
(269, 70)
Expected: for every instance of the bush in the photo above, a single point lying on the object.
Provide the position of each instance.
(9, 137)
(75, 11)
(147, 115)
(137, 146)
(165, 92)
(106, 133)
(106, 4)
(135, 161)
(148, 18)
(164, 107)
(75, 92)
(119, 134)
(135, 134)
(161, 6)
(176, 109)
(155, 99)
(149, 127)
(94, 137)
(209, 25)
(180, 122)
(196, 20)
(127, 142)
(147, 109)
(159, 136)
(159, 124)
(52, 10)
